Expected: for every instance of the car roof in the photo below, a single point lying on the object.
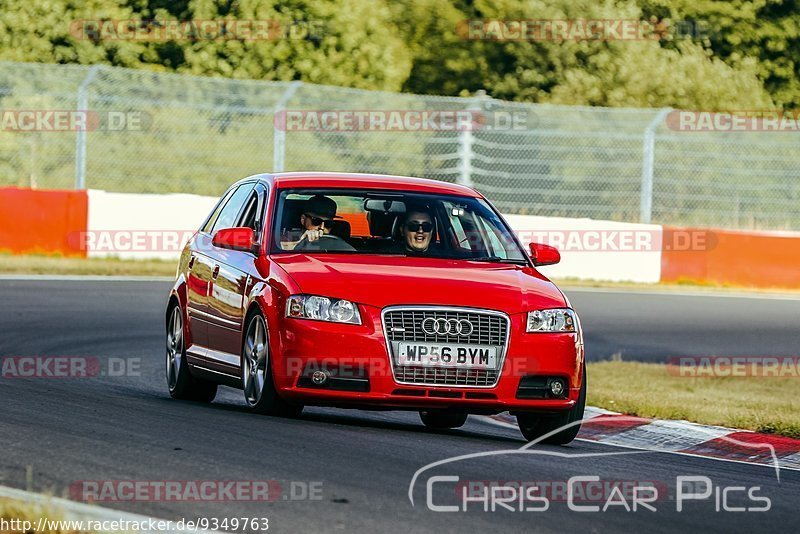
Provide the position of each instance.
(337, 180)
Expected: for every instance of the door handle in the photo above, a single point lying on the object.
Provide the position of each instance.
(215, 273)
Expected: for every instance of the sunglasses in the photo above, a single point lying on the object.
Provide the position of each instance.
(415, 226)
(318, 221)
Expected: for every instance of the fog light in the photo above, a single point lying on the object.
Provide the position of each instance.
(319, 377)
(557, 387)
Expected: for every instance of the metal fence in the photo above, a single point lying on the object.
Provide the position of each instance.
(160, 132)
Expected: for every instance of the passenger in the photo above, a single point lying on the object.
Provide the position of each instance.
(417, 229)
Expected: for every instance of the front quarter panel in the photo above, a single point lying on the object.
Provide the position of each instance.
(179, 292)
(272, 286)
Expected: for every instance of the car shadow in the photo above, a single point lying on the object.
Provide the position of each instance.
(358, 418)
(362, 418)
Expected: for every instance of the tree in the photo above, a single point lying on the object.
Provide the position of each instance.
(741, 48)
(582, 72)
(51, 32)
(348, 43)
(742, 31)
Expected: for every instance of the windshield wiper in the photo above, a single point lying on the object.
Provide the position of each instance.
(498, 259)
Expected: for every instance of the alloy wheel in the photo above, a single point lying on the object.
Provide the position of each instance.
(255, 360)
(174, 347)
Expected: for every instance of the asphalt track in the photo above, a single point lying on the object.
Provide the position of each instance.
(127, 428)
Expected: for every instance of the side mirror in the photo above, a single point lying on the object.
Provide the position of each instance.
(239, 238)
(544, 254)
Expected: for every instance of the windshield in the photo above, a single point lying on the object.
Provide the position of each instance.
(389, 222)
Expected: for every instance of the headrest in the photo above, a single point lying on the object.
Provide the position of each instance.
(341, 229)
(380, 223)
(292, 210)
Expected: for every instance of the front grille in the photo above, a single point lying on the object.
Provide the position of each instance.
(406, 325)
(445, 376)
(488, 329)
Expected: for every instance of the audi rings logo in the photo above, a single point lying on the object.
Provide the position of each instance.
(453, 327)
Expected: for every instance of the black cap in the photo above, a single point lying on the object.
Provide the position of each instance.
(320, 206)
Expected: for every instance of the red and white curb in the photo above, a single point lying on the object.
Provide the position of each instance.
(683, 437)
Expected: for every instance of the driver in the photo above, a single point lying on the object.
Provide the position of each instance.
(317, 217)
(315, 221)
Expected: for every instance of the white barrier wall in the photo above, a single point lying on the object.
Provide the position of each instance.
(595, 250)
(144, 226)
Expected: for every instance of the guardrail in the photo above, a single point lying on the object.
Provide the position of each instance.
(100, 224)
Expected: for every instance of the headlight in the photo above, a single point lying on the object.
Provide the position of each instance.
(322, 309)
(555, 320)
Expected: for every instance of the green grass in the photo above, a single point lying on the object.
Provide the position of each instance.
(763, 404)
(35, 264)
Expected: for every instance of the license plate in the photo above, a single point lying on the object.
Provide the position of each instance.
(446, 355)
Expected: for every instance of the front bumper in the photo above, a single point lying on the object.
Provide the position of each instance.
(357, 351)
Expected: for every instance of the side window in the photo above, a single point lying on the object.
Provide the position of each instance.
(214, 214)
(253, 213)
(228, 215)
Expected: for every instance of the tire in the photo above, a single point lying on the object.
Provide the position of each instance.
(181, 384)
(259, 388)
(535, 426)
(441, 420)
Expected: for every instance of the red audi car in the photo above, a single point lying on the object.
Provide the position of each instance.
(373, 292)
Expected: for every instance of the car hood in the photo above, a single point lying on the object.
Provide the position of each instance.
(382, 281)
